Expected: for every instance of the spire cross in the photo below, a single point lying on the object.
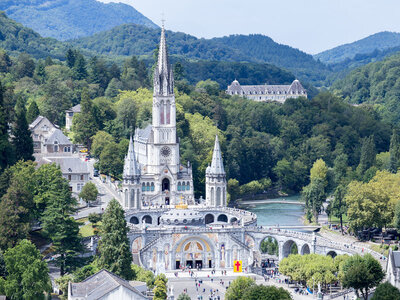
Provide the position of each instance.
(162, 19)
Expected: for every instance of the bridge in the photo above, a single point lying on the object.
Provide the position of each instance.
(255, 202)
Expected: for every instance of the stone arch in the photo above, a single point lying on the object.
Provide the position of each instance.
(209, 218)
(233, 220)
(269, 245)
(147, 219)
(136, 245)
(289, 247)
(134, 220)
(332, 254)
(222, 218)
(305, 249)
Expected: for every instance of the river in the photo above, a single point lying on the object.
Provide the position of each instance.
(279, 213)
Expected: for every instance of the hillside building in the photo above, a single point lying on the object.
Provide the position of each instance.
(265, 92)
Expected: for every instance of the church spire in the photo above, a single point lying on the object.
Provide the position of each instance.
(217, 165)
(163, 76)
(131, 167)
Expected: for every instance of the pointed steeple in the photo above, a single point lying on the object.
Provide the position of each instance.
(163, 76)
(217, 165)
(131, 166)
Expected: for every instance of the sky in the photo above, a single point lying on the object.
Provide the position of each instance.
(309, 25)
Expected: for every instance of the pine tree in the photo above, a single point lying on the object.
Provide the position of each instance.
(32, 113)
(84, 125)
(367, 159)
(22, 138)
(6, 153)
(70, 57)
(394, 152)
(40, 72)
(114, 249)
(79, 68)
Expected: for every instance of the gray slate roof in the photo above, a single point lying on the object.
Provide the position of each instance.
(144, 133)
(36, 122)
(75, 109)
(100, 284)
(70, 165)
(396, 258)
(294, 88)
(58, 136)
(217, 165)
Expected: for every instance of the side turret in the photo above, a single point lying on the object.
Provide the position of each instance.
(216, 179)
(131, 180)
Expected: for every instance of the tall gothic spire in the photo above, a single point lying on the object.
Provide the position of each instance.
(217, 165)
(131, 167)
(163, 76)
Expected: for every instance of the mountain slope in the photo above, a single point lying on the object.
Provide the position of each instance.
(378, 41)
(377, 84)
(68, 19)
(16, 38)
(133, 39)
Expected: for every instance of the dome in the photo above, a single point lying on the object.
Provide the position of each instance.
(181, 217)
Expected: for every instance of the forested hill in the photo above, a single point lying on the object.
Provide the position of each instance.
(67, 19)
(132, 39)
(16, 39)
(376, 83)
(378, 41)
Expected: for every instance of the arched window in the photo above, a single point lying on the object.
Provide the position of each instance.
(183, 186)
(168, 115)
(179, 186)
(152, 186)
(148, 187)
(162, 112)
(188, 186)
(143, 187)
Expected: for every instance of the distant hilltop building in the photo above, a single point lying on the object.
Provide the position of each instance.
(267, 92)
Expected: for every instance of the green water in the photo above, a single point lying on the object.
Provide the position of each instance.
(279, 213)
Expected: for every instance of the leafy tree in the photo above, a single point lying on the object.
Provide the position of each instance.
(79, 68)
(3, 271)
(28, 275)
(340, 168)
(362, 273)
(397, 216)
(111, 161)
(238, 288)
(368, 154)
(113, 88)
(160, 290)
(114, 247)
(233, 189)
(99, 141)
(394, 152)
(89, 192)
(94, 218)
(24, 66)
(5, 147)
(386, 291)
(144, 275)
(314, 196)
(319, 171)
(184, 296)
(22, 136)
(257, 292)
(70, 58)
(62, 283)
(84, 124)
(32, 112)
(270, 246)
(339, 205)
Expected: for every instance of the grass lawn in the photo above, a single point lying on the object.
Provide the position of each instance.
(88, 230)
(335, 220)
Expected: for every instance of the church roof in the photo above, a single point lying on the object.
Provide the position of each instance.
(217, 165)
(294, 88)
(144, 134)
(131, 166)
(99, 285)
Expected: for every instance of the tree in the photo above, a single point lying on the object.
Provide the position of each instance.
(89, 192)
(6, 153)
(397, 216)
(394, 151)
(314, 196)
(28, 276)
(111, 161)
(160, 289)
(3, 271)
(362, 273)
(233, 189)
(84, 124)
(319, 171)
(386, 291)
(22, 136)
(70, 58)
(238, 287)
(113, 88)
(57, 224)
(32, 113)
(79, 68)
(258, 292)
(184, 296)
(114, 249)
(339, 205)
(368, 155)
(94, 218)
(99, 141)
(340, 168)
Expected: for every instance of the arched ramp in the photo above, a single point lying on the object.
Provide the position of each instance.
(269, 245)
(147, 219)
(305, 249)
(209, 218)
(332, 254)
(134, 220)
(222, 218)
(233, 220)
(289, 247)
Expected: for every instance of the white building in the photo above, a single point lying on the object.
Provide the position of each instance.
(106, 286)
(69, 115)
(265, 92)
(393, 268)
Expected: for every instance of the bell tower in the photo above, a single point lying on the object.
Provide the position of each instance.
(164, 110)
